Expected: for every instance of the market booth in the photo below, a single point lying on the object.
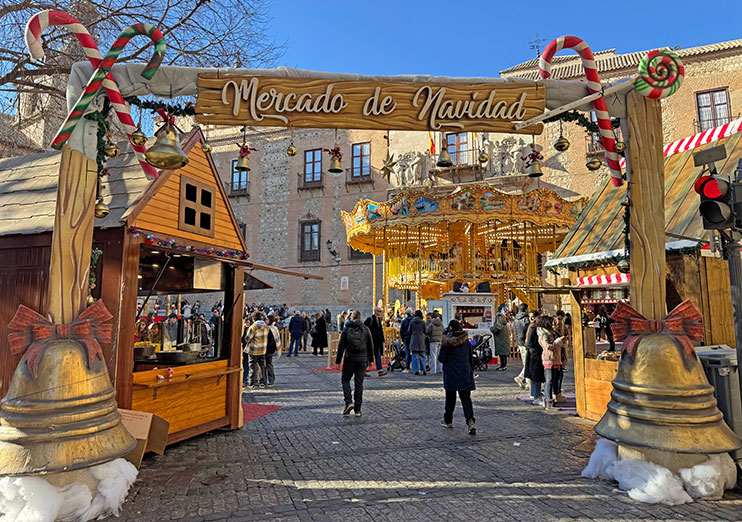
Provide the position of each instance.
(162, 239)
(593, 248)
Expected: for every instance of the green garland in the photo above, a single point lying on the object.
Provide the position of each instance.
(101, 117)
(580, 119)
(623, 255)
(94, 256)
(152, 105)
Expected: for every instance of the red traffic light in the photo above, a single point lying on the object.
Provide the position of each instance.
(711, 187)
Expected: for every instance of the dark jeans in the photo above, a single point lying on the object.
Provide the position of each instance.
(557, 374)
(294, 345)
(245, 369)
(548, 386)
(408, 356)
(321, 350)
(270, 374)
(465, 397)
(377, 356)
(358, 371)
(304, 338)
(257, 369)
(503, 361)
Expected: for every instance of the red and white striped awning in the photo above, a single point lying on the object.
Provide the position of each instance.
(604, 301)
(702, 138)
(605, 280)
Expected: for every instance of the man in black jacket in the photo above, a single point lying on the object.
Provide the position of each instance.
(358, 348)
(376, 327)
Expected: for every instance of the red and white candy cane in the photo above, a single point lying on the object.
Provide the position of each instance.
(39, 22)
(607, 137)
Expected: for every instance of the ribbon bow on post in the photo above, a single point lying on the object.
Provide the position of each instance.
(683, 322)
(32, 332)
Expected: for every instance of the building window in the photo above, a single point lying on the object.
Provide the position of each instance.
(713, 108)
(243, 230)
(313, 166)
(240, 181)
(357, 254)
(458, 148)
(361, 159)
(196, 207)
(309, 240)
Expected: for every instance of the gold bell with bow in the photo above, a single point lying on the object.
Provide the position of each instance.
(243, 163)
(534, 169)
(166, 152)
(661, 398)
(59, 413)
(336, 158)
(444, 158)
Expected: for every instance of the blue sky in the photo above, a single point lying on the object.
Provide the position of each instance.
(480, 38)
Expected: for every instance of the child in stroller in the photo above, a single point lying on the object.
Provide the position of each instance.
(399, 361)
(481, 352)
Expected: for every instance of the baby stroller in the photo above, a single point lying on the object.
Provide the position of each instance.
(481, 353)
(399, 361)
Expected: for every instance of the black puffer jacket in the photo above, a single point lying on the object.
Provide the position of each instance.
(455, 355)
(534, 367)
(355, 343)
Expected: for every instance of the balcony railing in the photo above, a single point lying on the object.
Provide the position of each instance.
(239, 188)
(309, 181)
(360, 176)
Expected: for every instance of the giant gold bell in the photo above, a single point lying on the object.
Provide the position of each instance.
(63, 419)
(335, 165)
(166, 152)
(242, 163)
(444, 158)
(664, 402)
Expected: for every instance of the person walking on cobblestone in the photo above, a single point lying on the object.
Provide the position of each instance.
(417, 342)
(458, 374)
(355, 352)
(257, 344)
(296, 329)
(404, 333)
(319, 337)
(272, 346)
(551, 357)
(501, 339)
(307, 327)
(435, 333)
(520, 327)
(376, 328)
(534, 366)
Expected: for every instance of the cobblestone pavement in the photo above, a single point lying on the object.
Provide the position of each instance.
(306, 462)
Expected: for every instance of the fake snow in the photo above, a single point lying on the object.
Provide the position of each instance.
(33, 499)
(654, 484)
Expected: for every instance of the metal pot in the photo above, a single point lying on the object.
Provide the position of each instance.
(144, 351)
(177, 356)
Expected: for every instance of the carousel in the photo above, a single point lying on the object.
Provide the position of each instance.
(462, 238)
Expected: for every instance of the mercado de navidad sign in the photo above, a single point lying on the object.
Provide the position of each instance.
(399, 105)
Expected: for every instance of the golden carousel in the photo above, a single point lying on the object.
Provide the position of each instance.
(437, 240)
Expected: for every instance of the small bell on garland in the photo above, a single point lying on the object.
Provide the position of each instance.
(138, 138)
(624, 266)
(101, 209)
(206, 148)
(561, 143)
(483, 157)
(110, 148)
(620, 147)
(444, 158)
(291, 150)
(593, 164)
(166, 152)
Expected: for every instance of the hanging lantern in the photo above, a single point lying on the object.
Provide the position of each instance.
(444, 158)
(534, 169)
(166, 152)
(206, 148)
(138, 138)
(101, 209)
(561, 144)
(111, 149)
(593, 164)
(620, 147)
(483, 157)
(624, 266)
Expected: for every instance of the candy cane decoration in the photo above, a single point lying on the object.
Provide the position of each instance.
(40, 21)
(607, 137)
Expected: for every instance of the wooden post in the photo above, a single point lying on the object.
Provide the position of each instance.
(373, 305)
(72, 239)
(578, 353)
(647, 188)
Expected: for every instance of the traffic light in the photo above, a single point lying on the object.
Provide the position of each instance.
(717, 202)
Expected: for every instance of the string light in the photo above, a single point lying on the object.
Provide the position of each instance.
(153, 239)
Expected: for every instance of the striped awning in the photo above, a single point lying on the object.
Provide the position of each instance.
(605, 280)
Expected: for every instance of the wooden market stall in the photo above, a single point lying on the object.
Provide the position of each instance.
(595, 244)
(172, 236)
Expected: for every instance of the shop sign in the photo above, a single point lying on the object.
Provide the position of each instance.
(361, 104)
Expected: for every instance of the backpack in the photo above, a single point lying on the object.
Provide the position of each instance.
(271, 346)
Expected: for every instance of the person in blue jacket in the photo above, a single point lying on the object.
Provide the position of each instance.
(296, 330)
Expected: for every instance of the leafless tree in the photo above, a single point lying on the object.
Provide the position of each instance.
(198, 32)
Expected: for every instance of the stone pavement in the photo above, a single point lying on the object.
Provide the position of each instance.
(306, 462)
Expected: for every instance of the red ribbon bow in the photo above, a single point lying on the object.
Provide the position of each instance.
(32, 332)
(683, 322)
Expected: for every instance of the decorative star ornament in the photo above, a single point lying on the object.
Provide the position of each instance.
(388, 167)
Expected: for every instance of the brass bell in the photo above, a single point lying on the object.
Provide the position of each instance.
(444, 158)
(561, 144)
(662, 400)
(166, 152)
(624, 266)
(138, 138)
(483, 157)
(620, 147)
(101, 209)
(206, 148)
(534, 169)
(111, 149)
(242, 163)
(291, 150)
(90, 300)
(335, 165)
(593, 164)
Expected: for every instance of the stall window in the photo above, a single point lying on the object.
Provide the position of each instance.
(361, 159)
(312, 166)
(309, 240)
(713, 108)
(458, 147)
(197, 204)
